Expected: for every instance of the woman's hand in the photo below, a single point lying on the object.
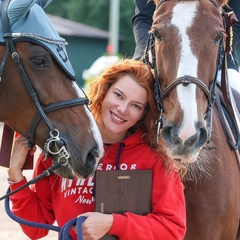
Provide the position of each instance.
(18, 158)
(96, 225)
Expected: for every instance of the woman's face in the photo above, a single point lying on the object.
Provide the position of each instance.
(123, 105)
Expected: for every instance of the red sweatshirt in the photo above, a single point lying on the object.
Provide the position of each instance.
(56, 198)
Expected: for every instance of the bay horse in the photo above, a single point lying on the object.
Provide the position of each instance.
(186, 41)
(39, 96)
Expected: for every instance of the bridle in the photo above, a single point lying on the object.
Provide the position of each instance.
(160, 94)
(54, 138)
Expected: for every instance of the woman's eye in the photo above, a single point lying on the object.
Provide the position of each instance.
(137, 106)
(118, 94)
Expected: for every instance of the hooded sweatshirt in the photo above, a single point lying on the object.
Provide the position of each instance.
(57, 199)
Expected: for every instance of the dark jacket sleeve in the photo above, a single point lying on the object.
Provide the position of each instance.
(141, 23)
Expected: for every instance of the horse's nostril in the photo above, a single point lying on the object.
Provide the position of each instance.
(166, 132)
(202, 136)
(95, 151)
(171, 136)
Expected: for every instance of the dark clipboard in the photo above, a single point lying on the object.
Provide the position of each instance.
(123, 191)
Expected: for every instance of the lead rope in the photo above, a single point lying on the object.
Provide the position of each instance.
(64, 230)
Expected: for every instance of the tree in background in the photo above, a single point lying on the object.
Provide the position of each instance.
(96, 14)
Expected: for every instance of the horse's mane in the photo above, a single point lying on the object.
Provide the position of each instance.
(220, 2)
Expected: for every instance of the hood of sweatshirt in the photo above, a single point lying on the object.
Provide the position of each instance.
(128, 153)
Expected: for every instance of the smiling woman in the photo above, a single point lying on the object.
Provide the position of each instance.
(126, 113)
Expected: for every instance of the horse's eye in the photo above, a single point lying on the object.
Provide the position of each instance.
(157, 35)
(218, 39)
(39, 61)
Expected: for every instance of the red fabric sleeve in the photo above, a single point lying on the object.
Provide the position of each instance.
(28, 205)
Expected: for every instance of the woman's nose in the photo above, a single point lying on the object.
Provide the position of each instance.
(122, 108)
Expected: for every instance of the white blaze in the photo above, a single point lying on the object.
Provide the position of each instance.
(93, 126)
(183, 15)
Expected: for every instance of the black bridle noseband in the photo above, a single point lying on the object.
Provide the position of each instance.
(41, 111)
(160, 94)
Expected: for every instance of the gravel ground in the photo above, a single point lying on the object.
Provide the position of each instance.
(9, 229)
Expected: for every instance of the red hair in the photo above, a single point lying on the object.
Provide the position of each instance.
(144, 77)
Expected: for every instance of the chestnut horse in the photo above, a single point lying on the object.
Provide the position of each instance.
(186, 40)
(39, 97)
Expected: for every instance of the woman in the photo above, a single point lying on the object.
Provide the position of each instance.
(125, 111)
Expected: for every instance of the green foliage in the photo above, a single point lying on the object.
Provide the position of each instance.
(96, 14)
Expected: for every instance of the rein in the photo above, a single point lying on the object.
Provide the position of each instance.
(41, 112)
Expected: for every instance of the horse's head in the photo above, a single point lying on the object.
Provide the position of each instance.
(38, 93)
(187, 38)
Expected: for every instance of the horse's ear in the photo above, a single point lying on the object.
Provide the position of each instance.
(18, 9)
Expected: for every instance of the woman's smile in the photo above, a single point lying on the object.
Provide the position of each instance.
(116, 118)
